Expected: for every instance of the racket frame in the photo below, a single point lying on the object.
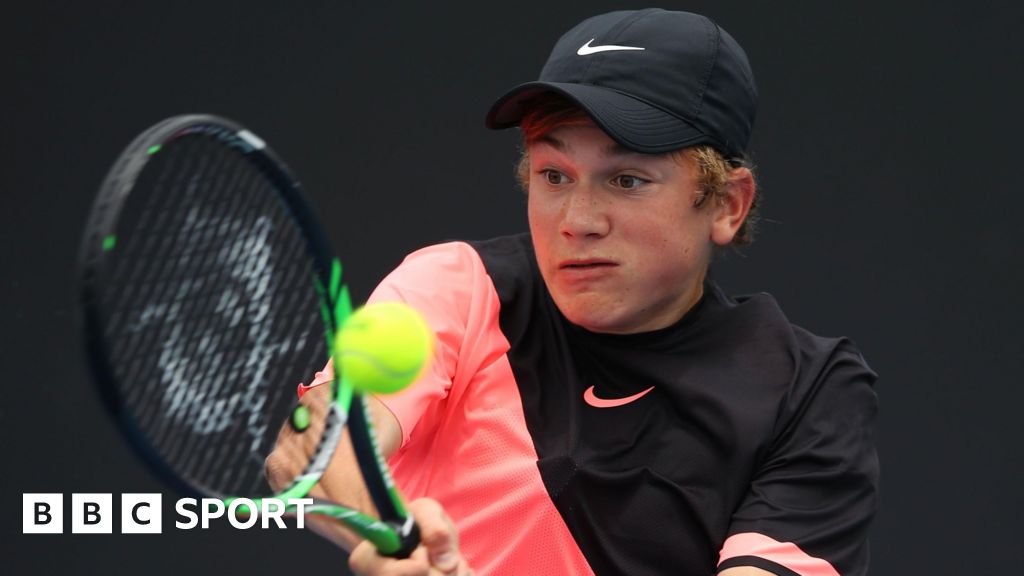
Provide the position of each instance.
(394, 534)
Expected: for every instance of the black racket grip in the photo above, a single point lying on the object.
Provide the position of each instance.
(409, 541)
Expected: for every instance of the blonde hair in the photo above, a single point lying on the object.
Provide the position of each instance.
(551, 111)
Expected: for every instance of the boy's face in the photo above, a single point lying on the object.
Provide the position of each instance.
(620, 244)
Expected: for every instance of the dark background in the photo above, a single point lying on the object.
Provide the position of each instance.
(887, 147)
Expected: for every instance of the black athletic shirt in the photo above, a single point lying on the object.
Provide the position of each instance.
(731, 438)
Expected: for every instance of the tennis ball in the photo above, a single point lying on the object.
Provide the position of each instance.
(383, 347)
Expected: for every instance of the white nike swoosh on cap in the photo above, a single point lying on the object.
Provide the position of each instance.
(588, 49)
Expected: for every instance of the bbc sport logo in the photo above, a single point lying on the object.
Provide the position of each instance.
(142, 513)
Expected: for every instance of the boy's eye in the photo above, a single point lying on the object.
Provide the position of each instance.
(627, 181)
(554, 177)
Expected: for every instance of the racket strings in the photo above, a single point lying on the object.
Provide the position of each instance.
(254, 426)
(227, 305)
(201, 412)
(152, 267)
(183, 407)
(160, 257)
(213, 314)
(242, 256)
(152, 293)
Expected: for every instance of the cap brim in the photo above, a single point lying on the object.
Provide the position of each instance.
(632, 123)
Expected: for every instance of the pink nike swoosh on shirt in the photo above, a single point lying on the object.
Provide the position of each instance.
(590, 398)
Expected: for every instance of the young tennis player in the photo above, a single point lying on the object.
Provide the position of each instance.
(596, 403)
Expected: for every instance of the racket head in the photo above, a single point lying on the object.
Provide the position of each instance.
(208, 291)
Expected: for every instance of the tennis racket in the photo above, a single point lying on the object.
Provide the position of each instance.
(208, 290)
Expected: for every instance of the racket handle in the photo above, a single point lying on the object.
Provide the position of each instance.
(409, 536)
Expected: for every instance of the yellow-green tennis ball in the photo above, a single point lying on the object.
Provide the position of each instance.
(383, 347)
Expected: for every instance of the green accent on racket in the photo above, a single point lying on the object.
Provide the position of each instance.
(300, 417)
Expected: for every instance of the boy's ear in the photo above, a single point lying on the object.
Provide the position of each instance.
(732, 209)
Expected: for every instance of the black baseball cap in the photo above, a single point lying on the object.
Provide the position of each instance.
(654, 80)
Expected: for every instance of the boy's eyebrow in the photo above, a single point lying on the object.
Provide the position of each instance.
(551, 141)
